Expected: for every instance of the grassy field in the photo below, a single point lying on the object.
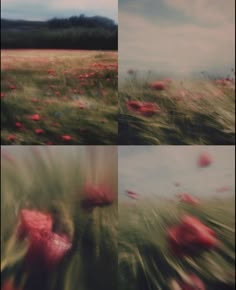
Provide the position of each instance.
(52, 181)
(145, 259)
(189, 112)
(58, 97)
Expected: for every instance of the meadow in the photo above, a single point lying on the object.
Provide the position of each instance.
(157, 111)
(53, 182)
(145, 257)
(58, 97)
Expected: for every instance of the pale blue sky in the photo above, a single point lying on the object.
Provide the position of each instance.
(46, 9)
(153, 170)
(177, 36)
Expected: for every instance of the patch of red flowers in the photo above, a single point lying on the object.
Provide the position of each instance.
(187, 198)
(11, 138)
(144, 108)
(35, 117)
(97, 195)
(204, 159)
(193, 282)
(191, 237)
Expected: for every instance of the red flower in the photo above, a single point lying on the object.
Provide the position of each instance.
(12, 87)
(39, 131)
(11, 138)
(32, 220)
(3, 95)
(9, 285)
(97, 195)
(35, 117)
(190, 237)
(66, 137)
(158, 85)
(18, 125)
(186, 198)
(192, 283)
(132, 194)
(204, 160)
(46, 249)
(144, 108)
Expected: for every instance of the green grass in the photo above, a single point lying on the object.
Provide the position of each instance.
(145, 260)
(57, 97)
(52, 180)
(192, 112)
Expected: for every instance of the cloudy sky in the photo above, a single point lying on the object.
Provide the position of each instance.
(178, 36)
(153, 170)
(46, 9)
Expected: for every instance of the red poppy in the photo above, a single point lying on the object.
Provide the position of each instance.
(97, 195)
(158, 85)
(190, 237)
(34, 100)
(32, 220)
(18, 125)
(132, 194)
(11, 138)
(3, 95)
(192, 282)
(144, 108)
(204, 159)
(12, 87)
(66, 137)
(8, 285)
(35, 117)
(46, 249)
(39, 131)
(187, 198)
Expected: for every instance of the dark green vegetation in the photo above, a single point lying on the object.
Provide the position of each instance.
(73, 92)
(145, 259)
(52, 181)
(191, 112)
(73, 33)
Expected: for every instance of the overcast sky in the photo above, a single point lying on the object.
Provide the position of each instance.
(179, 36)
(153, 170)
(46, 9)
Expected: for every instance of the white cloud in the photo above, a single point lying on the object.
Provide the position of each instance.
(182, 47)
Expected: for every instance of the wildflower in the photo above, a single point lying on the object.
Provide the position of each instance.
(158, 85)
(97, 195)
(11, 138)
(18, 125)
(66, 137)
(35, 117)
(187, 198)
(190, 237)
(3, 95)
(32, 220)
(47, 249)
(39, 131)
(132, 194)
(204, 160)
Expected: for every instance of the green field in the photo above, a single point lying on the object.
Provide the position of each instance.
(145, 259)
(73, 93)
(189, 112)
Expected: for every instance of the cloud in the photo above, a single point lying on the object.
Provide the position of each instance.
(184, 47)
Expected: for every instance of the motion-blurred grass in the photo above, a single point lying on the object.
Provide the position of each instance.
(199, 111)
(51, 179)
(145, 260)
(74, 92)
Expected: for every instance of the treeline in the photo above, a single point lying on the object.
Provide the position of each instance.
(77, 32)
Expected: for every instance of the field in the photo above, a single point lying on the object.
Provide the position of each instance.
(58, 97)
(145, 259)
(177, 112)
(52, 181)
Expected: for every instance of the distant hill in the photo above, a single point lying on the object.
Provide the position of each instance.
(77, 32)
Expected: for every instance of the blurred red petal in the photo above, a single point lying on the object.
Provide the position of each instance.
(204, 159)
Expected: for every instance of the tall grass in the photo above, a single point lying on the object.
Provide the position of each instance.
(199, 111)
(52, 180)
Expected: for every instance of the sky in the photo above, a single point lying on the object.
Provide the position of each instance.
(153, 170)
(177, 36)
(46, 9)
